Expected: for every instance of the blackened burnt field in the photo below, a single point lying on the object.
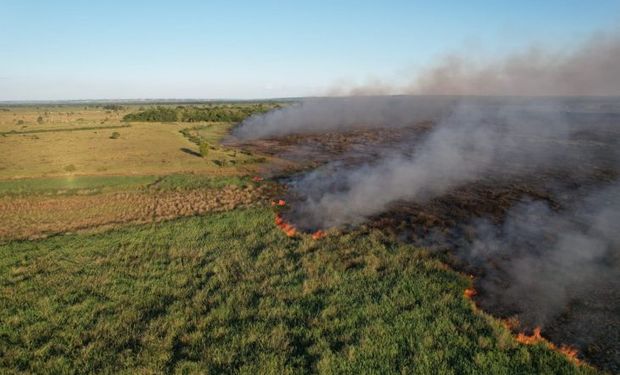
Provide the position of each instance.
(521, 193)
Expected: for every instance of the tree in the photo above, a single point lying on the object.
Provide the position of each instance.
(40, 120)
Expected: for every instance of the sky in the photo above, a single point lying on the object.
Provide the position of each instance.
(57, 50)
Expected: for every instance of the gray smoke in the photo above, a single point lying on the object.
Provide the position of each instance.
(478, 138)
(559, 270)
(591, 69)
(340, 114)
(545, 257)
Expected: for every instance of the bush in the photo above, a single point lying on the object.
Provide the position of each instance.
(40, 120)
(204, 149)
(115, 135)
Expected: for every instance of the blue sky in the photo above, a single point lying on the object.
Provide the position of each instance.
(257, 49)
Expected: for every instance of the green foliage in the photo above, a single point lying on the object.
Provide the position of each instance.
(157, 114)
(223, 113)
(115, 135)
(207, 113)
(204, 149)
(229, 293)
(113, 107)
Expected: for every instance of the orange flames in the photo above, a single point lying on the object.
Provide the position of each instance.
(280, 203)
(469, 293)
(291, 231)
(287, 228)
(318, 235)
(536, 337)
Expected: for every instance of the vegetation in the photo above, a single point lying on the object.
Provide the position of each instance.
(209, 113)
(230, 293)
(34, 131)
(157, 114)
(73, 185)
(115, 135)
(204, 149)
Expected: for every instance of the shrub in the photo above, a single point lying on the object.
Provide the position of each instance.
(40, 120)
(115, 135)
(204, 149)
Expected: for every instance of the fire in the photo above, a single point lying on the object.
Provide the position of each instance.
(470, 292)
(536, 337)
(287, 228)
(318, 235)
(570, 352)
(257, 178)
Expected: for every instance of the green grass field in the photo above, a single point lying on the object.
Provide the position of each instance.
(230, 293)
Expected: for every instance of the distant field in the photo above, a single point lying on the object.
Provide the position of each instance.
(95, 141)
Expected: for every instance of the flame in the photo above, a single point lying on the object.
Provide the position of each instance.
(470, 292)
(570, 352)
(287, 228)
(318, 235)
(536, 337)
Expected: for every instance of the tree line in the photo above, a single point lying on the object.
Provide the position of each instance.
(212, 113)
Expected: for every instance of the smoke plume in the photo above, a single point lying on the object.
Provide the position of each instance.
(590, 68)
(543, 258)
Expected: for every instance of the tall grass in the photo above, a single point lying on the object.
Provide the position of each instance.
(229, 293)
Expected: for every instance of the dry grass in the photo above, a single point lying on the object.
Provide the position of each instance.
(37, 216)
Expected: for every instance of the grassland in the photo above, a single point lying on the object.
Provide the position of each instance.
(230, 293)
(79, 141)
(161, 260)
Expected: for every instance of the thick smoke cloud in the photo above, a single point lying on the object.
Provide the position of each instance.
(476, 139)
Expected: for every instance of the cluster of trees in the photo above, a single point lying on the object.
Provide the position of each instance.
(157, 114)
(113, 107)
(211, 113)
